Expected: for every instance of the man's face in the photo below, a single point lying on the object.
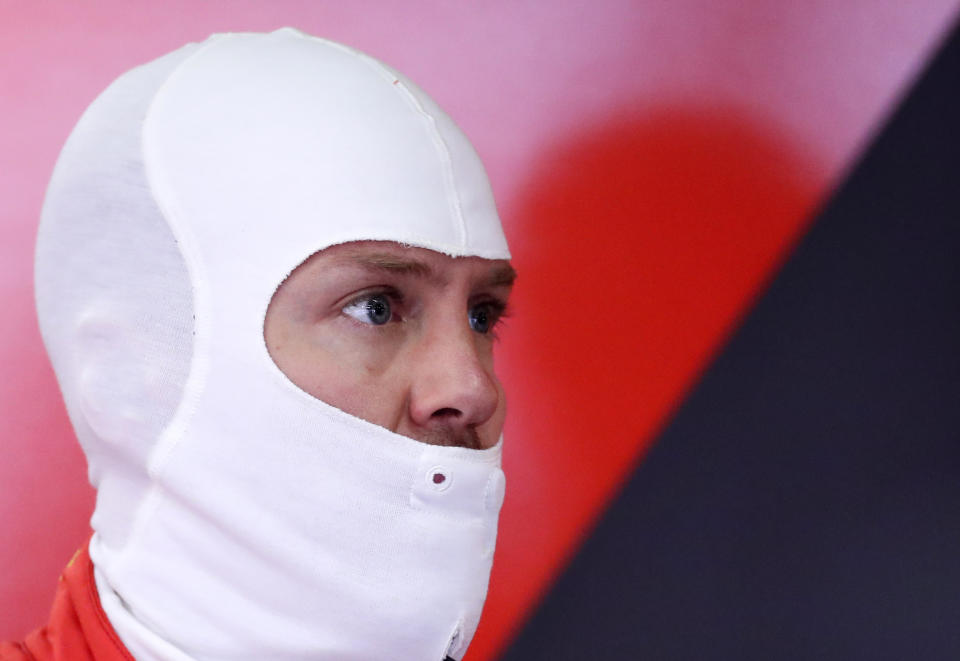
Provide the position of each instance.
(401, 337)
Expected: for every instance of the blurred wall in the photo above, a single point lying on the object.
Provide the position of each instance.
(653, 162)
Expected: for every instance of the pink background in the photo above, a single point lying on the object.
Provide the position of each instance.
(685, 142)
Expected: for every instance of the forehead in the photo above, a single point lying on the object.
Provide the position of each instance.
(388, 257)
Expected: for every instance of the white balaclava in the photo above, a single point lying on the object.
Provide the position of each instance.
(237, 517)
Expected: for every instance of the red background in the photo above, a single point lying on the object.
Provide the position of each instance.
(653, 161)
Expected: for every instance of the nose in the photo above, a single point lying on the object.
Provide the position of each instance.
(453, 390)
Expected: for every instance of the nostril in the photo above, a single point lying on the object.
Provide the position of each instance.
(446, 413)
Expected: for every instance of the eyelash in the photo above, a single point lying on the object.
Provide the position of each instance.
(499, 311)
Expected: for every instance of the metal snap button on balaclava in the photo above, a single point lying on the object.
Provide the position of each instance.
(236, 515)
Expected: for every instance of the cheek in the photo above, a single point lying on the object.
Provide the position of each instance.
(494, 426)
(496, 422)
(343, 368)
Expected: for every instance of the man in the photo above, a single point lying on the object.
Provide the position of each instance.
(269, 273)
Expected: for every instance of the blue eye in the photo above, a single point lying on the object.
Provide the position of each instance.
(374, 310)
(484, 316)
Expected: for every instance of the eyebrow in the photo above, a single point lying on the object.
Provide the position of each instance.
(502, 276)
(393, 264)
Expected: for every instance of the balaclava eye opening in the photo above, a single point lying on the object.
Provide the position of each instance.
(237, 516)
